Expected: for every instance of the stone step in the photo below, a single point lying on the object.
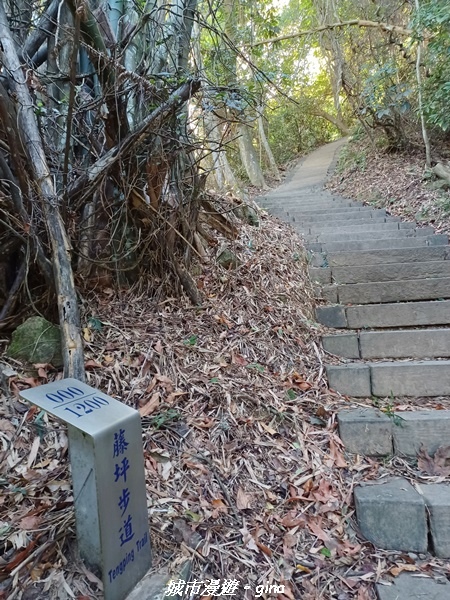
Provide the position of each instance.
(399, 343)
(402, 290)
(390, 272)
(300, 223)
(371, 432)
(361, 246)
(380, 316)
(364, 225)
(385, 379)
(377, 257)
(314, 205)
(385, 510)
(326, 238)
(407, 586)
(310, 196)
(357, 212)
(304, 226)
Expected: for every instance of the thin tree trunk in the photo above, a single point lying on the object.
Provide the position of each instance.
(249, 157)
(267, 148)
(336, 121)
(69, 318)
(222, 171)
(426, 140)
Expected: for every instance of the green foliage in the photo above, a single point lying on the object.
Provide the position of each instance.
(434, 17)
(386, 101)
(383, 97)
(296, 128)
(351, 156)
(256, 366)
(191, 340)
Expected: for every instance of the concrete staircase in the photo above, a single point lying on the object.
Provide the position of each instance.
(386, 284)
(379, 273)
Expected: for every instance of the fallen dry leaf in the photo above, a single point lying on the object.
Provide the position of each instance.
(337, 455)
(92, 364)
(243, 500)
(400, 568)
(439, 465)
(150, 406)
(34, 450)
(30, 523)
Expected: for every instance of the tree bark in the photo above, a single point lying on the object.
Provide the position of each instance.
(266, 146)
(442, 172)
(45, 27)
(69, 318)
(336, 121)
(425, 137)
(222, 171)
(353, 22)
(249, 158)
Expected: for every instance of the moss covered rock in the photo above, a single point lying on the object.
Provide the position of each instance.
(227, 259)
(37, 341)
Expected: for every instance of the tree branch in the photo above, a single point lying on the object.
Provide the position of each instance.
(358, 22)
(69, 317)
(101, 166)
(46, 25)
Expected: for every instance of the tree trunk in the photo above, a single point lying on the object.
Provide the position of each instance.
(426, 140)
(249, 157)
(266, 146)
(336, 121)
(61, 252)
(222, 171)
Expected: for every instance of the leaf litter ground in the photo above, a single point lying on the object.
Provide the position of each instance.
(246, 475)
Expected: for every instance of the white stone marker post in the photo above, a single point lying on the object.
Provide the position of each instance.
(107, 462)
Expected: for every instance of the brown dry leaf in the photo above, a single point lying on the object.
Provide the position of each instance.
(42, 371)
(36, 573)
(237, 359)
(243, 500)
(318, 531)
(159, 347)
(288, 593)
(219, 506)
(166, 381)
(440, 465)
(30, 523)
(337, 456)
(364, 593)
(7, 426)
(291, 520)
(442, 459)
(195, 465)
(173, 396)
(264, 549)
(402, 567)
(268, 429)
(92, 364)
(304, 386)
(151, 405)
